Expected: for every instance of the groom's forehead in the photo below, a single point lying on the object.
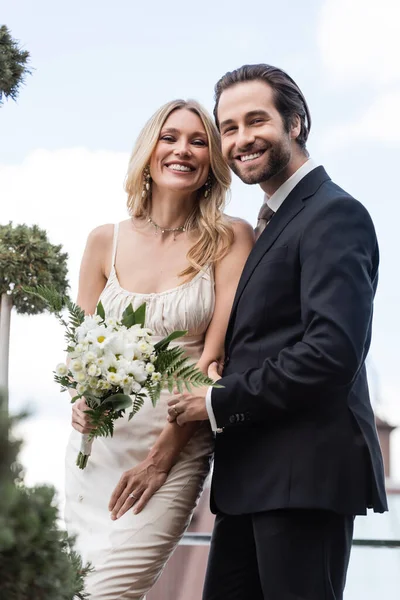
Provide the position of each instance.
(243, 98)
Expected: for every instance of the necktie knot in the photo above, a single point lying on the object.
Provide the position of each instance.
(264, 216)
(265, 212)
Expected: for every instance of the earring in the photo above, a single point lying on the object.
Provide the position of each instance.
(207, 186)
(146, 181)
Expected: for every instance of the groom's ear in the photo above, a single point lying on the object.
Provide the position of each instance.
(295, 127)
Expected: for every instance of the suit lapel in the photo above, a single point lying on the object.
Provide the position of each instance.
(292, 205)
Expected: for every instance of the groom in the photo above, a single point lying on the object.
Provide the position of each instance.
(296, 454)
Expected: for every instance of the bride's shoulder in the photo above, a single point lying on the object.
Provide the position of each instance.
(241, 228)
(100, 239)
(101, 234)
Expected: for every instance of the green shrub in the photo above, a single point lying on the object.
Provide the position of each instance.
(37, 559)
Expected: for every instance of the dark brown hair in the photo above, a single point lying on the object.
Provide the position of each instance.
(289, 100)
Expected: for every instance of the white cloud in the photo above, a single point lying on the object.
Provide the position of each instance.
(359, 47)
(67, 192)
(378, 123)
(359, 41)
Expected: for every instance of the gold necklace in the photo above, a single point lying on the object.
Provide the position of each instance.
(162, 230)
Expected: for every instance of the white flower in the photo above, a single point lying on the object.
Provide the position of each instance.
(130, 351)
(137, 369)
(100, 336)
(92, 370)
(89, 357)
(80, 389)
(88, 324)
(136, 387)
(150, 368)
(113, 378)
(93, 382)
(103, 386)
(135, 329)
(144, 332)
(123, 364)
(104, 362)
(153, 358)
(78, 350)
(61, 369)
(80, 377)
(144, 347)
(111, 322)
(126, 383)
(156, 377)
(76, 366)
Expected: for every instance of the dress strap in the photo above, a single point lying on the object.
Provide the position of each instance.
(209, 270)
(115, 243)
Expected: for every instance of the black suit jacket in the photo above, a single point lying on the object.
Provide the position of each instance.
(298, 427)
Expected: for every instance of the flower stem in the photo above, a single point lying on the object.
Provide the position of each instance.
(82, 460)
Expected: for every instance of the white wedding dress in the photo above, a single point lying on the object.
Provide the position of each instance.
(129, 554)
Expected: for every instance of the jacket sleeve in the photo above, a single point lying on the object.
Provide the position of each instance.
(338, 262)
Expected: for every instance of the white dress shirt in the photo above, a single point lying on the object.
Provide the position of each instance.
(274, 202)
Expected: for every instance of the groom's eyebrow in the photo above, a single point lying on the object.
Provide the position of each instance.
(252, 113)
(258, 113)
(226, 122)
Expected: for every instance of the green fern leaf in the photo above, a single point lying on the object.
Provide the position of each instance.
(100, 310)
(162, 344)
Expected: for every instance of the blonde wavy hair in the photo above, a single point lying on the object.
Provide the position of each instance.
(215, 232)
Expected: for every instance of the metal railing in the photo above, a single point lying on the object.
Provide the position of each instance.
(203, 539)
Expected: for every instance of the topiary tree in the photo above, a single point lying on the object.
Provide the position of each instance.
(13, 65)
(27, 258)
(37, 559)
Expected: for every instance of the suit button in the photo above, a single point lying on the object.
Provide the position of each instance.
(232, 419)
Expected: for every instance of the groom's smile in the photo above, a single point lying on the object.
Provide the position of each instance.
(250, 156)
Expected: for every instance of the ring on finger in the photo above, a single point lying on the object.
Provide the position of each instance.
(132, 495)
(176, 412)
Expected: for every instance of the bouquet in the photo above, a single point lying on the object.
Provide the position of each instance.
(115, 364)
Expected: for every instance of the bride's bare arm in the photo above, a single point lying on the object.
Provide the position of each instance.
(92, 280)
(92, 274)
(147, 477)
(227, 275)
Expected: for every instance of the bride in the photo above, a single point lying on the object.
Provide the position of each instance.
(181, 255)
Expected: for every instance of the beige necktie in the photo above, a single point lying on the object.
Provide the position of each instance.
(264, 216)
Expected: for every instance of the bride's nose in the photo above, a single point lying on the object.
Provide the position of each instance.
(182, 149)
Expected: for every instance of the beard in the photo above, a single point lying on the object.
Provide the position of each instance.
(275, 161)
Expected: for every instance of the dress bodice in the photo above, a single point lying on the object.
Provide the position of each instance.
(186, 307)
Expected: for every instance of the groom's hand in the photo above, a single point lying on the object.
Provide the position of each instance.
(191, 407)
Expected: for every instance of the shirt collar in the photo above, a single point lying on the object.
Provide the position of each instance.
(277, 199)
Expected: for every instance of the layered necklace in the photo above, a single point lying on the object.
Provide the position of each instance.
(173, 230)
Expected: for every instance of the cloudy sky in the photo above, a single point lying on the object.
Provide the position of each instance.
(101, 68)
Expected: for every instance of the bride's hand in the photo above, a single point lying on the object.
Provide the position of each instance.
(81, 420)
(135, 488)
